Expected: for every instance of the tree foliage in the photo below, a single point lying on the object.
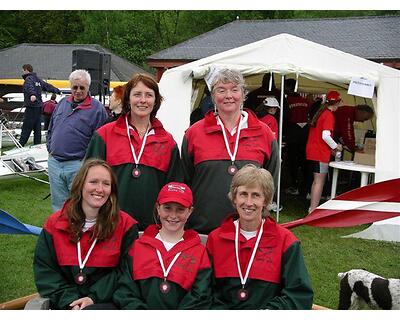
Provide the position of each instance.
(134, 35)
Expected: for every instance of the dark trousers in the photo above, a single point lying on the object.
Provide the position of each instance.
(296, 148)
(46, 119)
(32, 121)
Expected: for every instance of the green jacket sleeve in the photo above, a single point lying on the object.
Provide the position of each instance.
(297, 293)
(102, 290)
(272, 164)
(175, 172)
(96, 147)
(200, 295)
(187, 163)
(127, 295)
(50, 280)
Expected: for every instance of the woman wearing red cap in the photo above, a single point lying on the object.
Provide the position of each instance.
(320, 145)
(168, 268)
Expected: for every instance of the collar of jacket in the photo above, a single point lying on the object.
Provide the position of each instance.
(228, 229)
(120, 125)
(191, 238)
(210, 122)
(86, 103)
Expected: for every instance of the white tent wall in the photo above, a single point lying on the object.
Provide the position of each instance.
(285, 54)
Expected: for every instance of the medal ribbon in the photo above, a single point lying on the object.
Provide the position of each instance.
(228, 149)
(136, 159)
(82, 264)
(253, 254)
(166, 272)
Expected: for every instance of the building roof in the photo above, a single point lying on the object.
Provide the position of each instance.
(54, 61)
(373, 38)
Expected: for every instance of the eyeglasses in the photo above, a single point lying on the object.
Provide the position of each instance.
(80, 88)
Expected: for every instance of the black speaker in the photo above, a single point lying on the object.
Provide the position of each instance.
(91, 61)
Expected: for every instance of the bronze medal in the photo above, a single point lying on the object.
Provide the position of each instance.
(136, 172)
(243, 294)
(165, 287)
(232, 169)
(80, 278)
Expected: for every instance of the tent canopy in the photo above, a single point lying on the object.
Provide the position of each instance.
(321, 67)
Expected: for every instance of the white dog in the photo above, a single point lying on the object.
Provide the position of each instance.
(359, 288)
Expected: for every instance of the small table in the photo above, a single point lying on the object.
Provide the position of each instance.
(349, 165)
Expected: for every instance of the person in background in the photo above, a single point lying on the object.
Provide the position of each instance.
(143, 155)
(296, 138)
(256, 97)
(116, 103)
(257, 264)
(345, 116)
(205, 105)
(32, 88)
(266, 113)
(48, 109)
(168, 267)
(71, 127)
(214, 148)
(320, 144)
(79, 253)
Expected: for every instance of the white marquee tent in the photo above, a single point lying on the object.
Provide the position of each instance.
(322, 68)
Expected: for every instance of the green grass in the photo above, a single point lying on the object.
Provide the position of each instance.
(326, 253)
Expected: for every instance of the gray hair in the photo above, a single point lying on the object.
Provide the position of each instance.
(251, 175)
(80, 74)
(229, 76)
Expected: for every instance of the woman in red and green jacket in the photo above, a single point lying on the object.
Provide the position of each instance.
(79, 253)
(214, 148)
(143, 155)
(257, 264)
(168, 267)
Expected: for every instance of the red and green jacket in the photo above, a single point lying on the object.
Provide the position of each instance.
(189, 277)
(205, 163)
(278, 278)
(160, 163)
(55, 262)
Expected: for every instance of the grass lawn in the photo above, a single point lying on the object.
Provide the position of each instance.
(326, 253)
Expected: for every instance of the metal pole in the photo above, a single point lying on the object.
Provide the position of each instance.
(278, 195)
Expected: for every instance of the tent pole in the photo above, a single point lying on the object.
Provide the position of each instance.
(278, 195)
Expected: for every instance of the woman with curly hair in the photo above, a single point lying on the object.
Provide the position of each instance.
(79, 252)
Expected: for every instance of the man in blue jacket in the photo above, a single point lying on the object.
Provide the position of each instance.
(33, 87)
(71, 127)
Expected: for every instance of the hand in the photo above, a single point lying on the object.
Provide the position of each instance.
(81, 303)
(339, 147)
(33, 98)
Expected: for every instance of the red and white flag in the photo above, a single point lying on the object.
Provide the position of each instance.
(374, 202)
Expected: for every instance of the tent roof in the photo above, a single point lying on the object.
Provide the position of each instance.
(373, 38)
(54, 61)
(287, 54)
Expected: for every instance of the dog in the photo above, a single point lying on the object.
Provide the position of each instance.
(359, 288)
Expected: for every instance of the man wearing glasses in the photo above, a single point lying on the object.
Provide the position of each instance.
(71, 127)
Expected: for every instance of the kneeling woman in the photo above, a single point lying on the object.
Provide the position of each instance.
(257, 263)
(78, 255)
(168, 266)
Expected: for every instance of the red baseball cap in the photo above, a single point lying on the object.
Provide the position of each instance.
(176, 192)
(333, 96)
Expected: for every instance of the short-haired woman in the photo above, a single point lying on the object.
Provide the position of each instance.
(214, 148)
(257, 263)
